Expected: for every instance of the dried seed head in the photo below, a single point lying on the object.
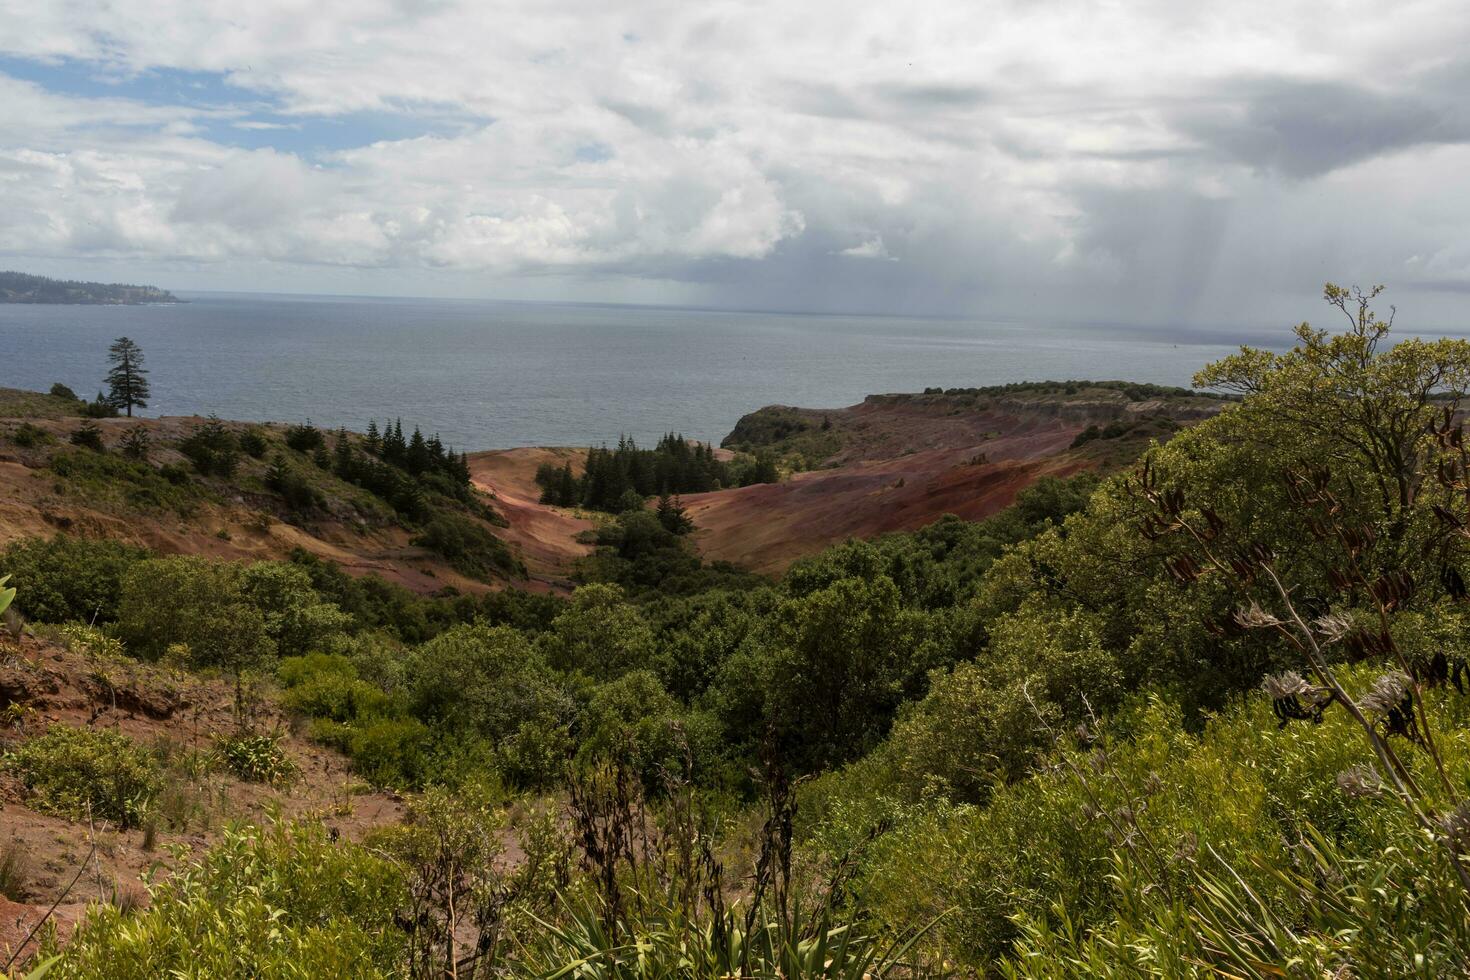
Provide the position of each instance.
(1334, 626)
(1456, 826)
(1254, 617)
(1278, 687)
(1386, 694)
(1360, 782)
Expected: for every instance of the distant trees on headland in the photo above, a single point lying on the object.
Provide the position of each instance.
(621, 478)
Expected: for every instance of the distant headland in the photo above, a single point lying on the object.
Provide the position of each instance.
(18, 287)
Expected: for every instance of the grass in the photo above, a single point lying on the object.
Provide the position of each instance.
(18, 404)
(99, 477)
(14, 870)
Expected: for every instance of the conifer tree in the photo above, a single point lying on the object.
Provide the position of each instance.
(127, 382)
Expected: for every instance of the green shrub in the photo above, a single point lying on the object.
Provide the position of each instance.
(321, 685)
(263, 904)
(88, 436)
(28, 436)
(256, 757)
(75, 772)
(212, 448)
(101, 478)
(253, 443)
(65, 578)
(468, 547)
(390, 752)
(198, 604)
(299, 493)
(305, 438)
(59, 390)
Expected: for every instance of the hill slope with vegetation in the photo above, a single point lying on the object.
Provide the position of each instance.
(20, 287)
(1205, 716)
(899, 462)
(404, 508)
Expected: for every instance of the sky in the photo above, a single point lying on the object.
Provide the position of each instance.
(1155, 162)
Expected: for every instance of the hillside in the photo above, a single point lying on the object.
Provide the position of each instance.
(61, 679)
(49, 483)
(19, 287)
(899, 462)
(1206, 717)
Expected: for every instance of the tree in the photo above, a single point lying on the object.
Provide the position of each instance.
(127, 382)
(673, 516)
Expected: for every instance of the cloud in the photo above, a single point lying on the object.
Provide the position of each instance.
(869, 248)
(1152, 160)
(1308, 128)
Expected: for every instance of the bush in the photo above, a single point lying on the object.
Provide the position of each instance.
(321, 685)
(295, 489)
(174, 474)
(136, 443)
(75, 772)
(295, 617)
(253, 443)
(66, 579)
(305, 438)
(59, 390)
(88, 436)
(390, 752)
(28, 436)
(468, 547)
(101, 478)
(270, 903)
(99, 408)
(212, 448)
(196, 603)
(255, 757)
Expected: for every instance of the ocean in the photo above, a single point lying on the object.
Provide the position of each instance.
(488, 375)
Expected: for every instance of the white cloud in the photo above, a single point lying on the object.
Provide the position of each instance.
(1017, 156)
(869, 248)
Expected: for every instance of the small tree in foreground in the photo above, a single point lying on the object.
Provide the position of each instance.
(127, 381)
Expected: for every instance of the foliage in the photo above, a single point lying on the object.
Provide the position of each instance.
(212, 448)
(83, 772)
(28, 436)
(611, 478)
(256, 757)
(66, 578)
(298, 491)
(305, 438)
(103, 478)
(468, 547)
(275, 902)
(253, 443)
(87, 436)
(198, 605)
(127, 379)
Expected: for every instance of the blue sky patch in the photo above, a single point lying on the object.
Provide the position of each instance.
(240, 116)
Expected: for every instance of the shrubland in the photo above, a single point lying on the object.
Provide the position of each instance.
(1206, 717)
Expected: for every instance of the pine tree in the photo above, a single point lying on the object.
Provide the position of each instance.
(418, 459)
(673, 516)
(373, 442)
(127, 382)
(344, 461)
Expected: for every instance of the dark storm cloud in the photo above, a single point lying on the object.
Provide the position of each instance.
(1307, 128)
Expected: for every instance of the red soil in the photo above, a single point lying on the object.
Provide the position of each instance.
(43, 683)
(544, 536)
(767, 527)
